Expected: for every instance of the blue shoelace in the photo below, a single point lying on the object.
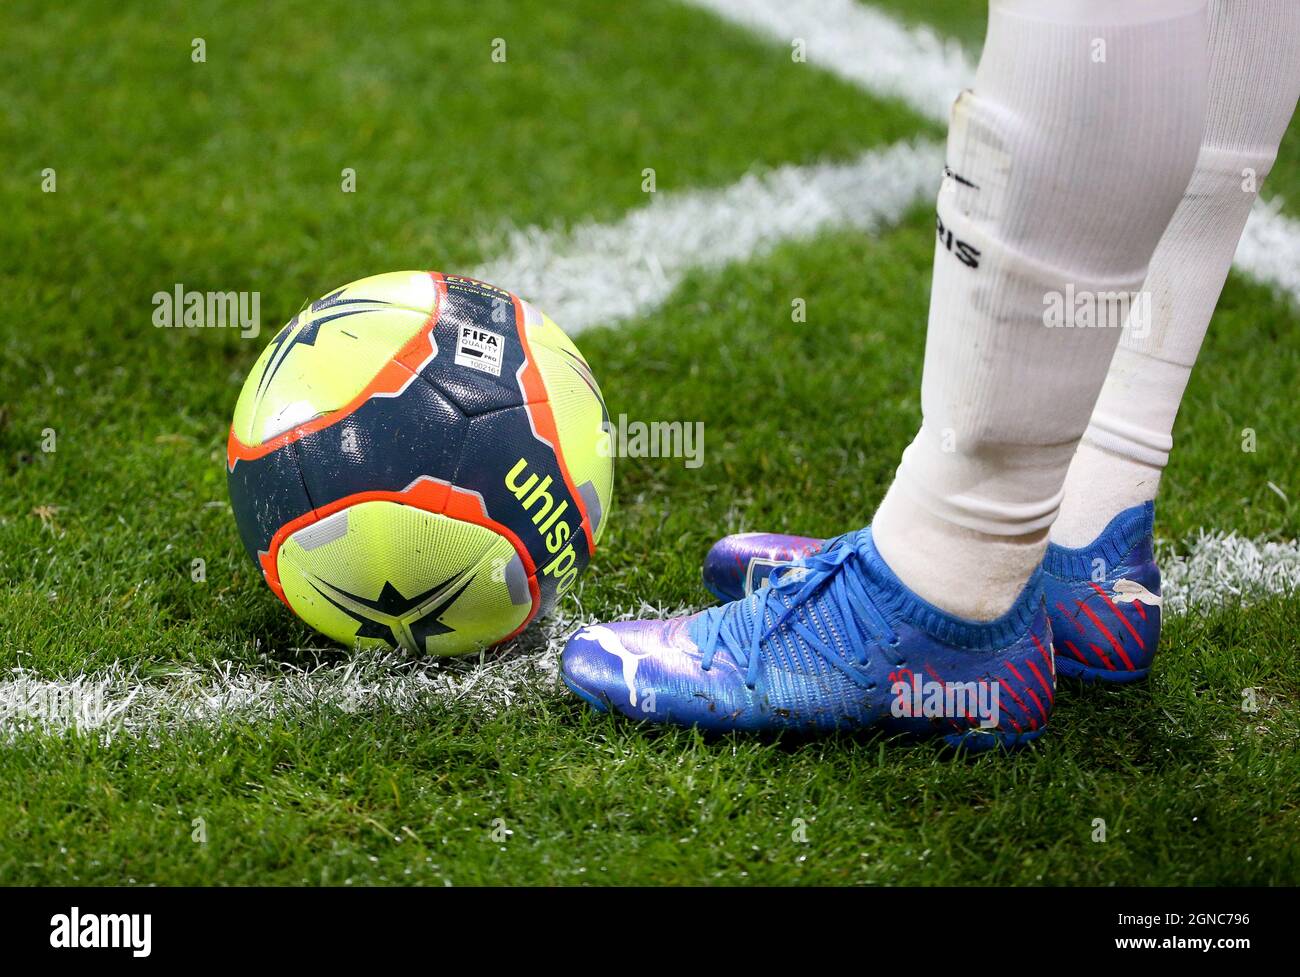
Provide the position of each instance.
(738, 626)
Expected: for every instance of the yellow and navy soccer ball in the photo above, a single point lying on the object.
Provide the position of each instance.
(420, 460)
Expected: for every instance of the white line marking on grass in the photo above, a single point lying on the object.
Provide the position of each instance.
(1269, 250)
(1221, 568)
(862, 45)
(600, 273)
(872, 50)
(1218, 569)
(118, 701)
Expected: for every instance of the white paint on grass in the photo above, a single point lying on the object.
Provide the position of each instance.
(601, 273)
(862, 45)
(119, 701)
(1223, 568)
(1218, 569)
(1269, 250)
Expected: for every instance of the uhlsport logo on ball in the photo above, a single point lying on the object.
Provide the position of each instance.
(419, 460)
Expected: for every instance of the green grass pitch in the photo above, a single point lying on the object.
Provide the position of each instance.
(225, 175)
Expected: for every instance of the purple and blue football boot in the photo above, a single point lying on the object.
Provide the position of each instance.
(837, 642)
(1103, 599)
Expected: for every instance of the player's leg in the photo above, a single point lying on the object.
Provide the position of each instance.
(1100, 572)
(1254, 84)
(1101, 579)
(1066, 162)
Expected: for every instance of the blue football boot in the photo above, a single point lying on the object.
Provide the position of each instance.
(740, 564)
(838, 642)
(1103, 599)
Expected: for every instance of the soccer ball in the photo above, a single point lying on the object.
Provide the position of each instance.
(420, 460)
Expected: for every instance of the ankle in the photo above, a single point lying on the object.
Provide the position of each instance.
(973, 575)
(1100, 485)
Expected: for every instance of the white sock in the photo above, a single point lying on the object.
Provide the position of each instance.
(1254, 84)
(1066, 162)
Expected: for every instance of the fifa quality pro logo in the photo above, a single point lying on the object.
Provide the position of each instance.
(479, 349)
(536, 498)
